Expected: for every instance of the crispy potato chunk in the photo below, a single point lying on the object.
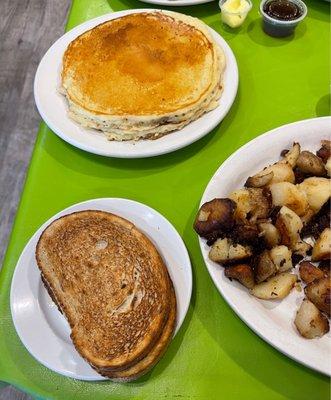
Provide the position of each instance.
(224, 252)
(237, 252)
(302, 248)
(325, 151)
(242, 200)
(259, 180)
(245, 233)
(292, 155)
(277, 287)
(219, 251)
(242, 273)
(270, 234)
(309, 273)
(283, 172)
(310, 322)
(328, 166)
(278, 172)
(214, 216)
(322, 248)
(325, 266)
(319, 293)
(259, 204)
(319, 222)
(265, 267)
(287, 194)
(317, 190)
(309, 163)
(252, 204)
(289, 226)
(307, 216)
(281, 256)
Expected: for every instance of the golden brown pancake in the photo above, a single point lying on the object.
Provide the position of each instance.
(142, 73)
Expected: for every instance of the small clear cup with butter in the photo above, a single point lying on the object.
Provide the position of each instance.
(234, 12)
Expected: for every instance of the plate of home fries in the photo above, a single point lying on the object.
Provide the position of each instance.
(264, 233)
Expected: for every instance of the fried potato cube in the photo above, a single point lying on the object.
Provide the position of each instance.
(225, 252)
(281, 172)
(242, 199)
(319, 293)
(310, 322)
(281, 256)
(252, 204)
(242, 273)
(309, 273)
(325, 151)
(277, 287)
(265, 267)
(259, 180)
(309, 163)
(270, 234)
(322, 247)
(287, 194)
(328, 166)
(302, 248)
(213, 216)
(292, 155)
(317, 190)
(289, 225)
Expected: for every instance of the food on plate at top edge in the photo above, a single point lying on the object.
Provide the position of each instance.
(280, 219)
(143, 75)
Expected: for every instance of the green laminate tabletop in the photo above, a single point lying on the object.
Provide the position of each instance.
(215, 355)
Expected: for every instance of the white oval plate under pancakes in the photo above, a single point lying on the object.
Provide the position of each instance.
(52, 105)
(272, 320)
(44, 331)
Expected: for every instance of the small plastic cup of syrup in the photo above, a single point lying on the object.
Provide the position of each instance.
(280, 17)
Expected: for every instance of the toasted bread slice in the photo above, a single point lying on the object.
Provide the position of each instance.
(110, 282)
(148, 362)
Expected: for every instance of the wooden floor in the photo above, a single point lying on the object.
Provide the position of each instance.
(27, 29)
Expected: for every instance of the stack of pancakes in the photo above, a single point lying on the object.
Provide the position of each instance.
(111, 284)
(142, 75)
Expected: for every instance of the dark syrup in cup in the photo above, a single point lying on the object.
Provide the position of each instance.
(283, 10)
(280, 17)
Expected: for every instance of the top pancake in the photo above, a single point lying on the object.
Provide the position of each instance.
(142, 64)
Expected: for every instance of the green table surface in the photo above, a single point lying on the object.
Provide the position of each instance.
(215, 355)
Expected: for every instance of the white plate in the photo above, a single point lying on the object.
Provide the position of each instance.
(43, 329)
(53, 108)
(272, 320)
(174, 3)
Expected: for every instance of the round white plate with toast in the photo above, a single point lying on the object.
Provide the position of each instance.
(271, 320)
(44, 331)
(53, 108)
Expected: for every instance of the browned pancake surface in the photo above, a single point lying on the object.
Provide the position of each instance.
(140, 64)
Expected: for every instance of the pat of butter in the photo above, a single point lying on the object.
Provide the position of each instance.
(234, 12)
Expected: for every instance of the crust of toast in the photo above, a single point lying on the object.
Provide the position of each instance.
(111, 284)
(148, 362)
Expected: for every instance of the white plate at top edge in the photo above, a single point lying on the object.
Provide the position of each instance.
(176, 3)
(44, 331)
(272, 321)
(53, 108)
